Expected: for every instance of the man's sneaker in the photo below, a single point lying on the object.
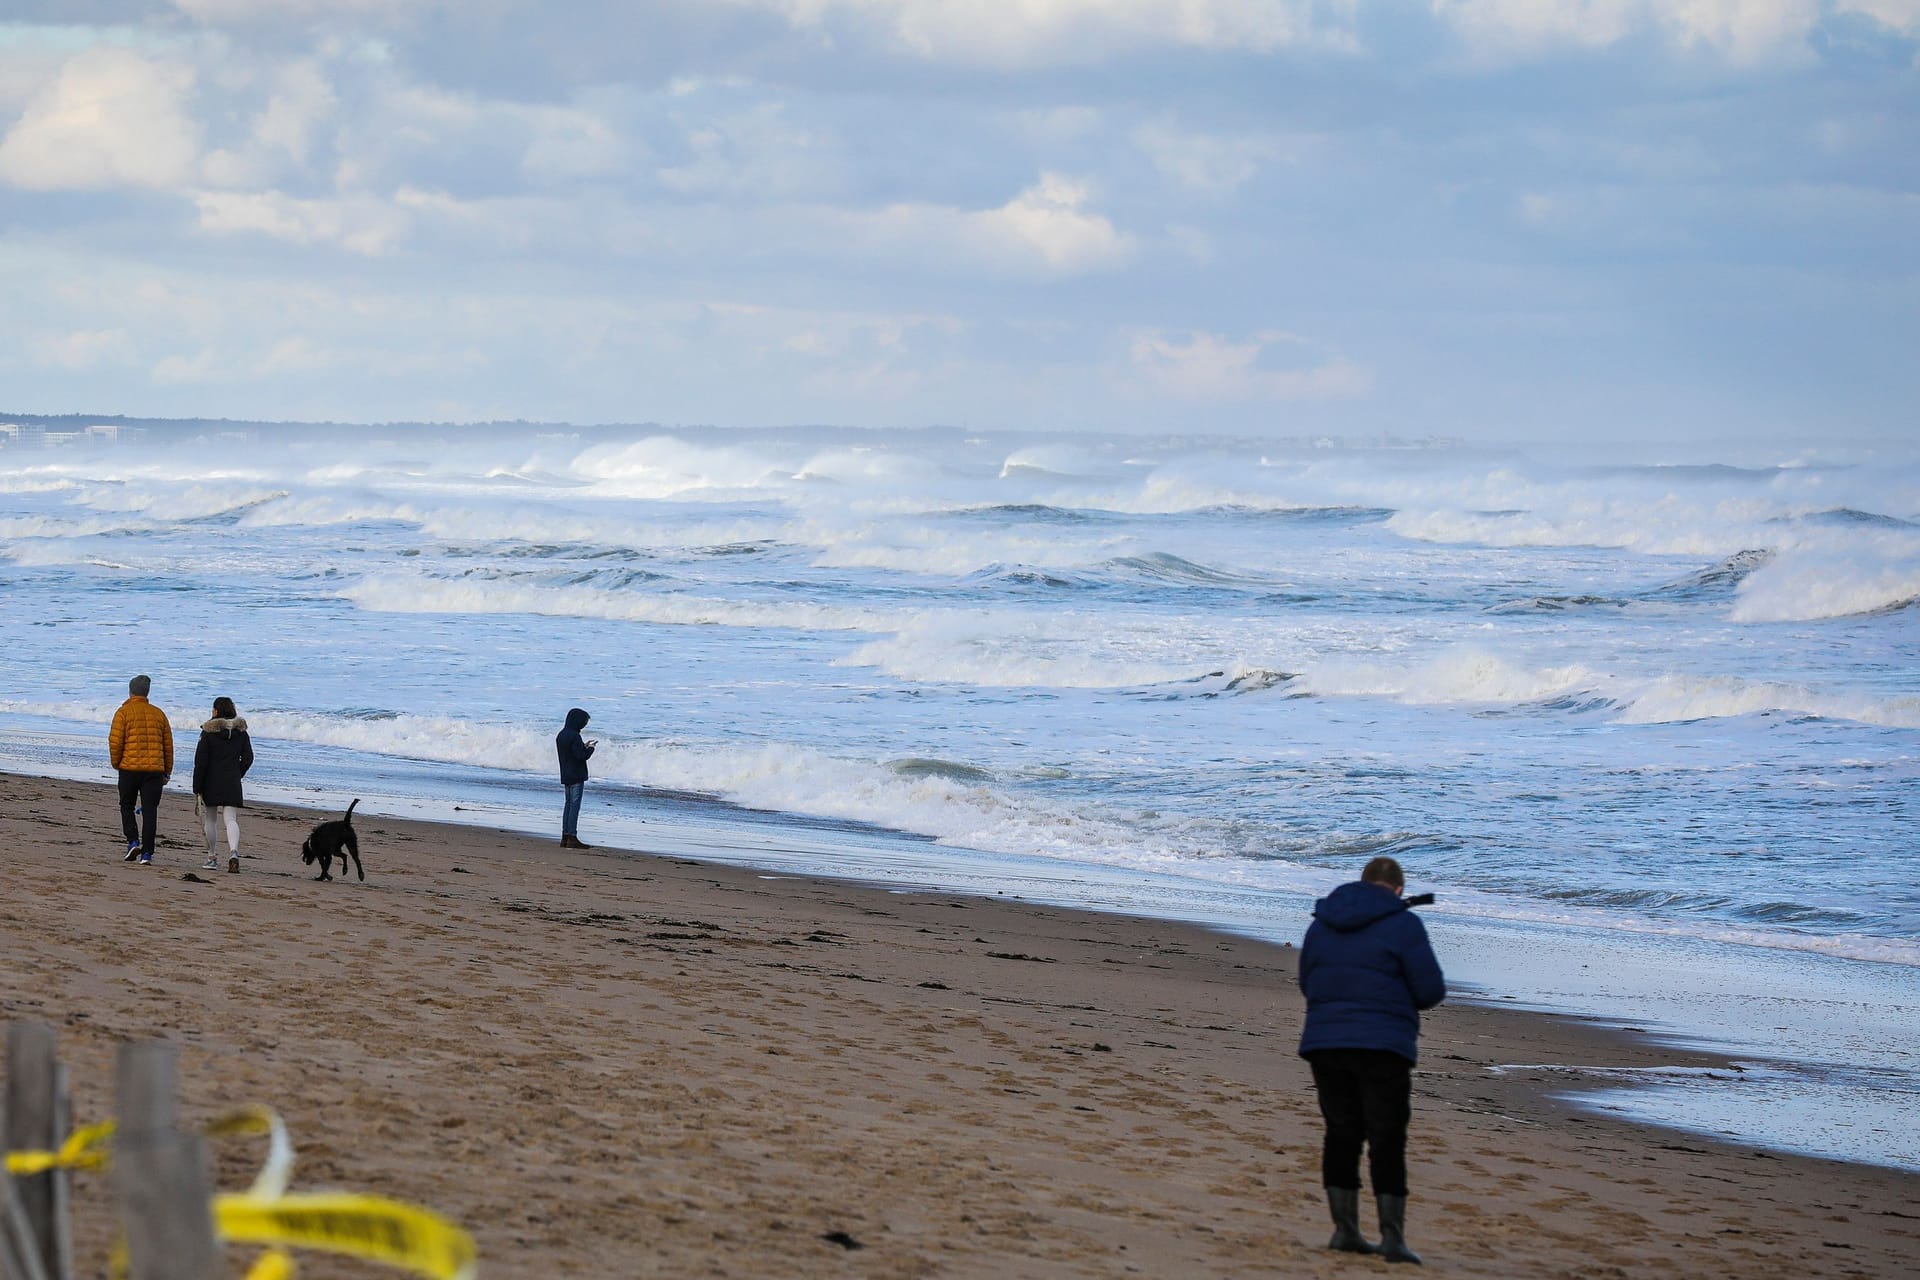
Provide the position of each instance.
(146, 859)
(133, 851)
(211, 864)
(233, 865)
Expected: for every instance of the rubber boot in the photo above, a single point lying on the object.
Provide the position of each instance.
(1393, 1230)
(1344, 1204)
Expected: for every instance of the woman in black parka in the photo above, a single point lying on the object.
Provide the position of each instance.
(221, 759)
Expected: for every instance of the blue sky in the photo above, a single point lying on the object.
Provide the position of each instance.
(1497, 219)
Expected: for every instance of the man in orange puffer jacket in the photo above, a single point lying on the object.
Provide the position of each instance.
(140, 744)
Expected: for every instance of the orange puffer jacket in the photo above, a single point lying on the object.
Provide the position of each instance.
(141, 740)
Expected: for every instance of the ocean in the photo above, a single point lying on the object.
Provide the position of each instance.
(1648, 726)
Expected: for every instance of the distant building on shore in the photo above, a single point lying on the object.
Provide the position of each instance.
(31, 435)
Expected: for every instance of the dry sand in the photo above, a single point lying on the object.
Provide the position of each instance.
(609, 1064)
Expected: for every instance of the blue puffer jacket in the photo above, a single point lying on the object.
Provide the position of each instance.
(573, 749)
(1367, 970)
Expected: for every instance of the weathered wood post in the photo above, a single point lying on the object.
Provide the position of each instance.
(162, 1175)
(18, 1261)
(35, 1120)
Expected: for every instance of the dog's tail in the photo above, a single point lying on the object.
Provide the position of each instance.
(349, 815)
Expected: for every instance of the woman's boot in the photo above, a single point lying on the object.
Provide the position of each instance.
(1393, 1229)
(1344, 1204)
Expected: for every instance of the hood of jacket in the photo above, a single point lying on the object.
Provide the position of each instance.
(219, 725)
(576, 719)
(1354, 906)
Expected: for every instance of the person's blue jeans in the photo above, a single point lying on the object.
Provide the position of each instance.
(570, 815)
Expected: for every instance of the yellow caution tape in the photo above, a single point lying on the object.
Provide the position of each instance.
(278, 1170)
(368, 1227)
(274, 1264)
(85, 1148)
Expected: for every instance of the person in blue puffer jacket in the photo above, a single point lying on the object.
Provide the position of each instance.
(1367, 970)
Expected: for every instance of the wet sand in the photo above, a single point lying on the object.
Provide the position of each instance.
(614, 1064)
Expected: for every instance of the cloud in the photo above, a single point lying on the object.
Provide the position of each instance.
(1207, 366)
(283, 133)
(1742, 31)
(111, 119)
(564, 144)
(244, 12)
(752, 153)
(1045, 230)
(1896, 15)
(362, 224)
(1046, 222)
(1059, 126)
(1211, 163)
(1019, 33)
(82, 349)
(400, 131)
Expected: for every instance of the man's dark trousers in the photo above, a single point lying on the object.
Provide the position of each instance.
(1366, 1095)
(144, 787)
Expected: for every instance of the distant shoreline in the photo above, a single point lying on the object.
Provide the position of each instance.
(1697, 993)
(121, 430)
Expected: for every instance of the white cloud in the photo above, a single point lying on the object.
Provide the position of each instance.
(399, 130)
(283, 133)
(30, 60)
(1208, 366)
(111, 119)
(755, 153)
(1212, 163)
(1898, 15)
(1042, 231)
(238, 12)
(1743, 31)
(289, 356)
(1006, 33)
(1059, 126)
(82, 349)
(568, 143)
(1046, 222)
(362, 223)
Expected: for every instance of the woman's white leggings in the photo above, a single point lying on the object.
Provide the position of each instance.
(212, 820)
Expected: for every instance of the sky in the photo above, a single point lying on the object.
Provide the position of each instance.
(1486, 219)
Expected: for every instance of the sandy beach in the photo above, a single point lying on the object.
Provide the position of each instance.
(609, 1063)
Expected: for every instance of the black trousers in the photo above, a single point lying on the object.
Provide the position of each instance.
(144, 787)
(1366, 1096)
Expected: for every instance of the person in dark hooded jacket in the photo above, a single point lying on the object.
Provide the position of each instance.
(220, 760)
(1367, 970)
(574, 753)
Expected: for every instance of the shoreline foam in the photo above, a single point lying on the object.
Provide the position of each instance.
(1822, 1078)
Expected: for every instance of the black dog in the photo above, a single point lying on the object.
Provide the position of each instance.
(332, 840)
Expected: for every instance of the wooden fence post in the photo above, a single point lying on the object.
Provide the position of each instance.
(162, 1175)
(35, 1231)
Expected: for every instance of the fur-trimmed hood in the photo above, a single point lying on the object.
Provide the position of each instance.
(218, 725)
